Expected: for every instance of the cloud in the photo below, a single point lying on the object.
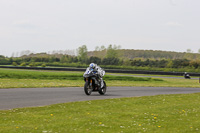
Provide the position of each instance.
(172, 3)
(174, 24)
(25, 24)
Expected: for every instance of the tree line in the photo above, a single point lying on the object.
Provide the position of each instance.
(110, 56)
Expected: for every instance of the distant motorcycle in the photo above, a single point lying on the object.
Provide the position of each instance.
(186, 76)
(93, 83)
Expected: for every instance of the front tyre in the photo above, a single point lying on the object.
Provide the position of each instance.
(102, 91)
(87, 88)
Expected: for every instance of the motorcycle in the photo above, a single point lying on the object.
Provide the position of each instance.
(93, 83)
(187, 76)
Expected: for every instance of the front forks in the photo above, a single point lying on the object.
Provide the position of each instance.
(90, 83)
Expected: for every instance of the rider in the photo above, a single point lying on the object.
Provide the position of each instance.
(186, 75)
(99, 70)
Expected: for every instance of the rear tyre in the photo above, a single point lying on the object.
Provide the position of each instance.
(102, 91)
(87, 88)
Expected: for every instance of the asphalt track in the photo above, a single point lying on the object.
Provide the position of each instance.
(31, 97)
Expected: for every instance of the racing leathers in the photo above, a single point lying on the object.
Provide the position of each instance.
(99, 71)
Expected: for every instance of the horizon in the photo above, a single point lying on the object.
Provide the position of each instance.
(74, 52)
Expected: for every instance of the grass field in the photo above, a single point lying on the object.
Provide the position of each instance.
(151, 114)
(11, 78)
(37, 83)
(61, 75)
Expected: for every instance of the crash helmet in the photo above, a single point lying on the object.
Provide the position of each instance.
(92, 66)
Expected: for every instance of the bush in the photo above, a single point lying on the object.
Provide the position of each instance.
(32, 64)
(14, 64)
(43, 65)
(23, 64)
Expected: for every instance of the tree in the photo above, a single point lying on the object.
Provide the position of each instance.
(43, 65)
(112, 51)
(1, 56)
(14, 64)
(95, 60)
(195, 64)
(82, 53)
(189, 51)
(169, 64)
(110, 61)
(199, 51)
(23, 64)
(97, 48)
(102, 48)
(25, 52)
(32, 64)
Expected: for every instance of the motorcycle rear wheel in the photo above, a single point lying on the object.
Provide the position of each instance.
(87, 88)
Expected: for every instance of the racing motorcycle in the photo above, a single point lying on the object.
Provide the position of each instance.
(187, 76)
(93, 83)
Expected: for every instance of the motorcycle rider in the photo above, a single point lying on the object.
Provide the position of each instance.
(100, 72)
(186, 75)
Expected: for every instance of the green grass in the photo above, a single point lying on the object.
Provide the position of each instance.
(163, 113)
(37, 83)
(33, 74)
(64, 75)
(151, 114)
(11, 78)
(33, 79)
(164, 83)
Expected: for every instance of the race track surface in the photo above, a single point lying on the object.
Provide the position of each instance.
(30, 97)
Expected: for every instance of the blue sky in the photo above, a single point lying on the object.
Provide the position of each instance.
(47, 25)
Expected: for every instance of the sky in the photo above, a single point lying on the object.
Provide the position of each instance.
(47, 25)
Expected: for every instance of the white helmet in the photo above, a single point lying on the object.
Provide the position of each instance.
(92, 66)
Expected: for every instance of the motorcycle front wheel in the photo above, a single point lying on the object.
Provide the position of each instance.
(102, 91)
(87, 88)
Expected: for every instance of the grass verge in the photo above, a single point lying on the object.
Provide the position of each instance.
(11, 78)
(38, 83)
(37, 79)
(65, 75)
(162, 113)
